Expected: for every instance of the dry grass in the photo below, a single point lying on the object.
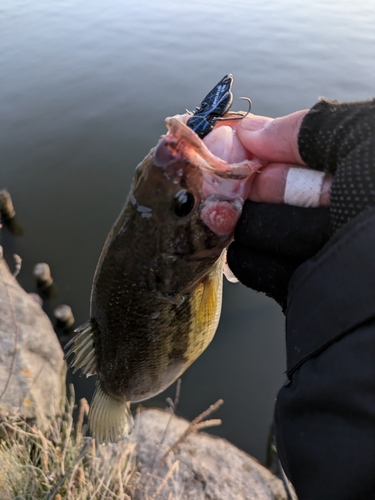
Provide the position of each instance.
(61, 463)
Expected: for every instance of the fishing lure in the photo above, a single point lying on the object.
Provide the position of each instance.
(213, 108)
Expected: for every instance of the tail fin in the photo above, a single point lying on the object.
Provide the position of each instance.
(82, 345)
(110, 418)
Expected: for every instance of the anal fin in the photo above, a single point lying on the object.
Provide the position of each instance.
(110, 418)
(82, 345)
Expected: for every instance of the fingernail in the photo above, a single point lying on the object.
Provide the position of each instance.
(254, 122)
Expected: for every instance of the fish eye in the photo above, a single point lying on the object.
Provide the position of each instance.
(183, 203)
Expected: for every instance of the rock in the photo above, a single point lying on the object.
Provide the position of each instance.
(199, 467)
(202, 467)
(32, 369)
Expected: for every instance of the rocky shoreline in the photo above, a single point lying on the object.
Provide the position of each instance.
(32, 390)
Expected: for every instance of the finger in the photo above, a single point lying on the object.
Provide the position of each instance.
(292, 184)
(270, 139)
(283, 229)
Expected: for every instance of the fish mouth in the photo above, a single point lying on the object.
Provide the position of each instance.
(182, 146)
(221, 187)
(181, 142)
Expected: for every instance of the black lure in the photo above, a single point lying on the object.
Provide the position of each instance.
(213, 107)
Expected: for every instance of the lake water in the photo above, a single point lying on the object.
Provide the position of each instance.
(84, 90)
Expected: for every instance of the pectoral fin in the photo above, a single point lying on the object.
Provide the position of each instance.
(82, 345)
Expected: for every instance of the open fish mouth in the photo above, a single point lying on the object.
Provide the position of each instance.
(220, 151)
(224, 185)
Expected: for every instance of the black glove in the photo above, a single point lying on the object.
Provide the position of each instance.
(339, 138)
(271, 241)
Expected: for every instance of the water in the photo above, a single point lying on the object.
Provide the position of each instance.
(84, 90)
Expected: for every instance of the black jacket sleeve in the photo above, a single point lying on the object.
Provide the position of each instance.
(325, 414)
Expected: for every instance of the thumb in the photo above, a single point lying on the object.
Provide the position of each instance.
(273, 140)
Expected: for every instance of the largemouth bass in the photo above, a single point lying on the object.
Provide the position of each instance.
(156, 294)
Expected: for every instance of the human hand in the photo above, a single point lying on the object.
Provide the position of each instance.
(284, 176)
(271, 241)
(276, 142)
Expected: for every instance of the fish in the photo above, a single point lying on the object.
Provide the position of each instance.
(157, 289)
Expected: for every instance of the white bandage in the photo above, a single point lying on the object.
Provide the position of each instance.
(303, 187)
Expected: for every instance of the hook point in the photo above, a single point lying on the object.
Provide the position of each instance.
(249, 102)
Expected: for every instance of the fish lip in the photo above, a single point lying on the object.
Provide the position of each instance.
(183, 143)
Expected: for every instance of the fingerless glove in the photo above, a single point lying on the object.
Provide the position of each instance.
(339, 138)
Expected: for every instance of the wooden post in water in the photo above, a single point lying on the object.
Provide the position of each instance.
(64, 326)
(6, 205)
(44, 280)
(64, 317)
(8, 214)
(42, 274)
